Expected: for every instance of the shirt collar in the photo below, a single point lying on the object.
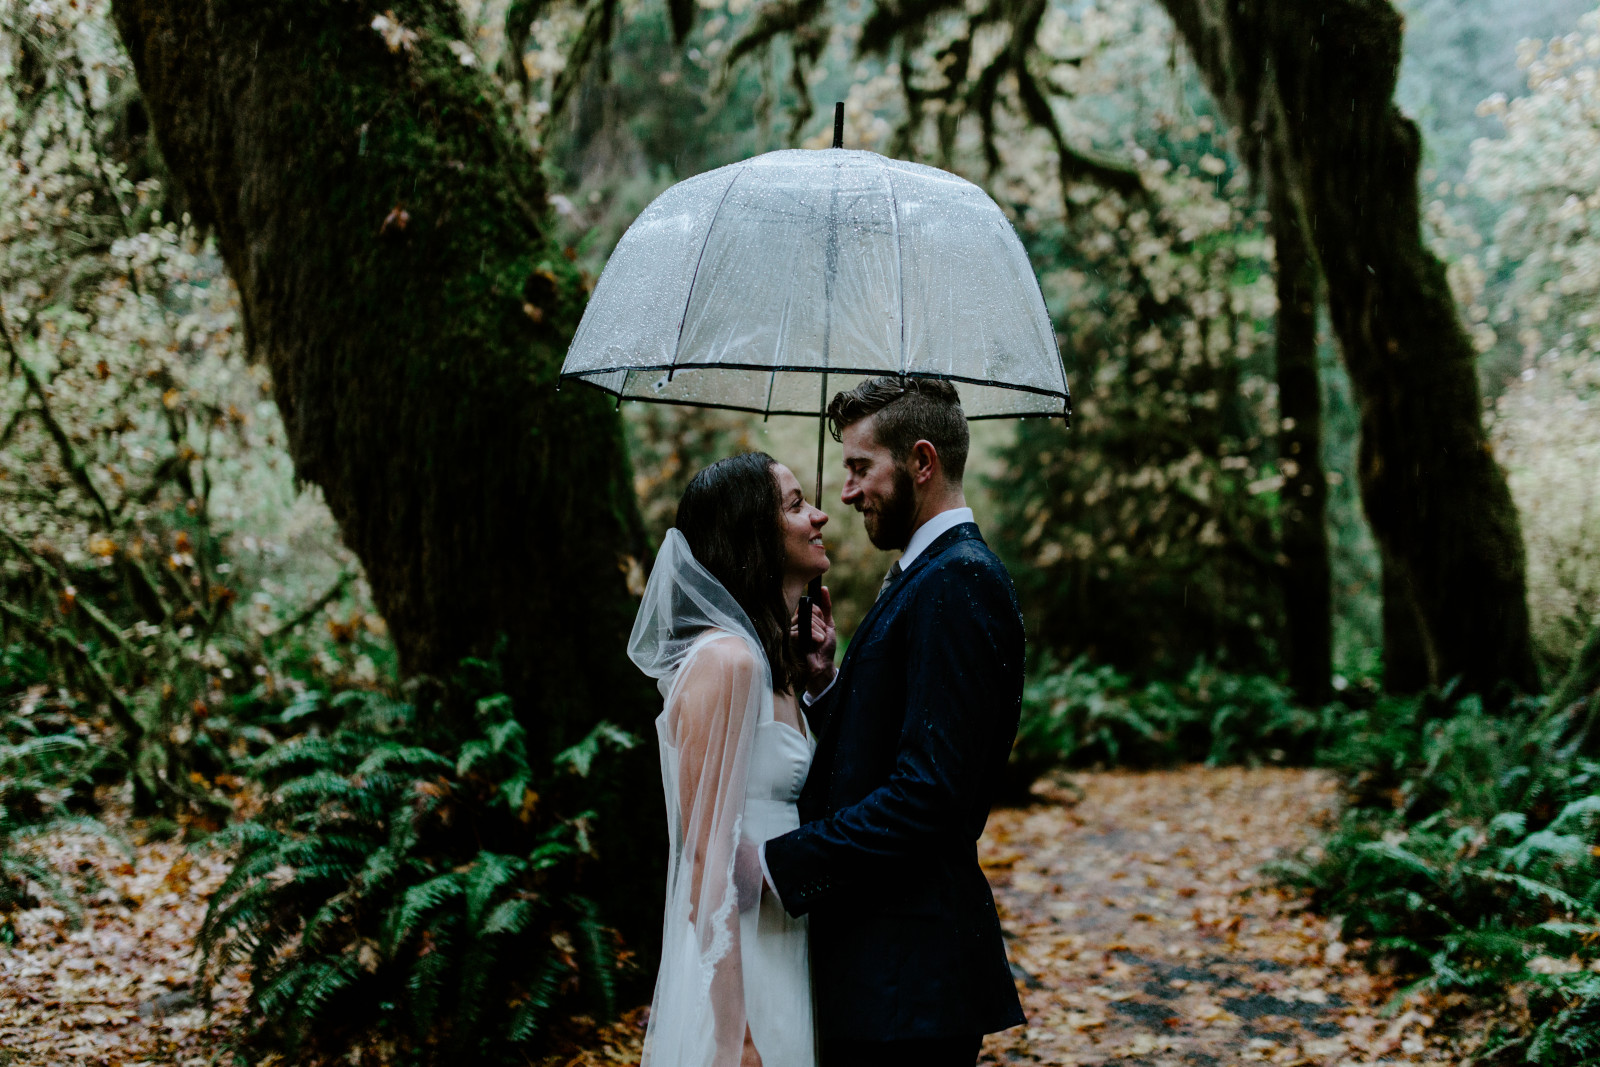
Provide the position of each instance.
(929, 531)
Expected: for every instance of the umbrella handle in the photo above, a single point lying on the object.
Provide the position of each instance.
(813, 596)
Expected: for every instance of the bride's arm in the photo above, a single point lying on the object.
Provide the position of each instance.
(710, 712)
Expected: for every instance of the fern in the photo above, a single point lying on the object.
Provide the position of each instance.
(1466, 856)
(44, 777)
(1079, 715)
(415, 884)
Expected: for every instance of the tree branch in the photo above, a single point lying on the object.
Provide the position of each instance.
(54, 636)
(69, 454)
(310, 611)
(101, 621)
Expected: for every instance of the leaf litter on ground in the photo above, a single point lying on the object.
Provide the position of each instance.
(1140, 923)
(118, 989)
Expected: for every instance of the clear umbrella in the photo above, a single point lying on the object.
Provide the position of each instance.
(760, 285)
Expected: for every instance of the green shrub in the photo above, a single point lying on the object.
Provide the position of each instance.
(1467, 860)
(415, 883)
(45, 786)
(1078, 716)
(1145, 533)
(158, 559)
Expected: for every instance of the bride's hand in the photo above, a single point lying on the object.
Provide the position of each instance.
(818, 661)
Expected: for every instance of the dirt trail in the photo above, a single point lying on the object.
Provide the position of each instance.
(1142, 930)
(119, 989)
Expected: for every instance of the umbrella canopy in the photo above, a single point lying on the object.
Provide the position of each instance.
(739, 287)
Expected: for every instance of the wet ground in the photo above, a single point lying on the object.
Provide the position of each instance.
(1143, 930)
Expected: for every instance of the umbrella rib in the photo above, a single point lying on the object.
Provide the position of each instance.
(1022, 414)
(899, 263)
(777, 360)
(695, 277)
(766, 368)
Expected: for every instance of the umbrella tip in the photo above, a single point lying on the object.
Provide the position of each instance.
(838, 124)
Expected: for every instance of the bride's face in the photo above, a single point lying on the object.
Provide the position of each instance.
(804, 556)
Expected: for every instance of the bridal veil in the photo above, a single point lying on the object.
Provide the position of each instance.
(699, 645)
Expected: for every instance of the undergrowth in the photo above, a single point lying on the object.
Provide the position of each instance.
(414, 881)
(1083, 716)
(1466, 860)
(46, 785)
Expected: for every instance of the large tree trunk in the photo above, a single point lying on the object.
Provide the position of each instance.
(1319, 80)
(1307, 581)
(382, 219)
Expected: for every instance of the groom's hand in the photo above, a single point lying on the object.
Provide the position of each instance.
(818, 661)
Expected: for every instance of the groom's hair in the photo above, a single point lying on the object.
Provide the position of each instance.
(907, 410)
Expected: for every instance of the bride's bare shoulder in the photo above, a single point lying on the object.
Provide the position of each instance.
(720, 652)
(719, 669)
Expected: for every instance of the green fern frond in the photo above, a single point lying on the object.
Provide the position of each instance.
(594, 955)
(15, 759)
(403, 759)
(1534, 888)
(17, 868)
(538, 998)
(580, 757)
(1391, 854)
(508, 917)
(303, 754)
(474, 754)
(418, 902)
(487, 875)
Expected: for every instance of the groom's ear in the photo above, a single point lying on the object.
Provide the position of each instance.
(923, 463)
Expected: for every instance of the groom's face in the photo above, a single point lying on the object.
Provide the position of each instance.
(877, 486)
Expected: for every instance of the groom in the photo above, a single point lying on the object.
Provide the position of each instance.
(913, 731)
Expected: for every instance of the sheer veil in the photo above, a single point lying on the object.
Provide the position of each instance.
(699, 645)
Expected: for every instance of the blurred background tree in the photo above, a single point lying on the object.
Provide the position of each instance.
(1529, 277)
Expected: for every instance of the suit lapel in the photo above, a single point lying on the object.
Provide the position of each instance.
(966, 531)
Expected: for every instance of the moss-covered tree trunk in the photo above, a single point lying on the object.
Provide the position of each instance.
(383, 222)
(1319, 79)
(1307, 581)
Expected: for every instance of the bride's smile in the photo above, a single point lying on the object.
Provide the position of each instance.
(805, 554)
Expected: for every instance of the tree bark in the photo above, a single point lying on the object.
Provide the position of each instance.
(1307, 576)
(1316, 82)
(383, 222)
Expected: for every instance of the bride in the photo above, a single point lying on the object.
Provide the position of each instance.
(734, 989)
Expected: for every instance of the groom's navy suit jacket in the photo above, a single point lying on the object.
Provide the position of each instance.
(911, 739)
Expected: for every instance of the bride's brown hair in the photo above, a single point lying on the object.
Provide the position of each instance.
(731, 517)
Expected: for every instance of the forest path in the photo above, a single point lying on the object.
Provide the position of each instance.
(1143, 931)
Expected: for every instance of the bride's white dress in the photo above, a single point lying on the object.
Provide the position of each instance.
(732, 772)
(772, 943)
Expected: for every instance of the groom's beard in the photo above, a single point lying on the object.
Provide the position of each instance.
(889, 525)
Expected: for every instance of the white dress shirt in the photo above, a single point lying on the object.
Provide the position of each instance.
(921, 538)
